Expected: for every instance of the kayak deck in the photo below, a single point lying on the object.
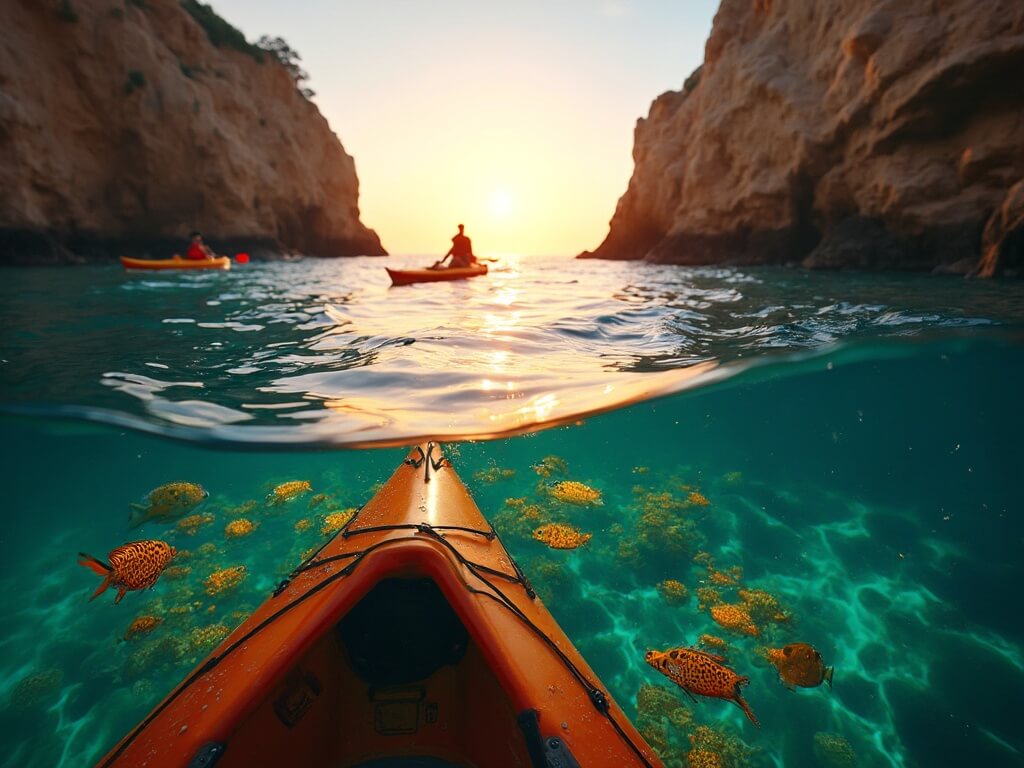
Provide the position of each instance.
(410, 276)
(410, 638)
(222, 262)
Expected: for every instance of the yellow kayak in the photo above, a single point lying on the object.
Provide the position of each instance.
(221, 262)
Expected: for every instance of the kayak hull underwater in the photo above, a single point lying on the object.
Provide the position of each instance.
(410, 276)
(222, 262)
(410, 639)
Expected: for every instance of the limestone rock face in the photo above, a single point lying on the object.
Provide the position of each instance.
(834, 133)
(123, 127)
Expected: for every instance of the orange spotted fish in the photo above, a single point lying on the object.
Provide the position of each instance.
(702, 673)
(136, 565)
(799, 664)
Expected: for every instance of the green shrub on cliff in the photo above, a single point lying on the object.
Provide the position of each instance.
(692, 81)
(136, 80)
(65, 12)
(289, 58)
(220, 32)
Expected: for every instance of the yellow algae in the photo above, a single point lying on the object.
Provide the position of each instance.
(190, 525)
(734, 618)
(243, 509)
(654, 700)
(153, 656)
(733, 477)
(572, 492)
(628, 552)
(660, 715)
(224, 580)
(704, 758)
(141, 626)
(548, 577)
(707, 597)
(521, 520)
(207, 549)
(697, 499)
(182, 555)
(763, 606)
(729, 749)
(656, 735)
(303, 525)
(202, 638)
(641, 470)
(335, 521)
(318, 499)
(551, 465)
(674, 592)
(289, 491)
(236, 529)
(492, 475)
(36, 688)
(712, 641)
(833, 751)
(515, 502)
(720, 578)
(704, 558)
(308, 553)
(561, 536)
(176, 572)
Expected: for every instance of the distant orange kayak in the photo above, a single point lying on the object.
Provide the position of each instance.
(222, 262)
(410, 276)
(411, 638)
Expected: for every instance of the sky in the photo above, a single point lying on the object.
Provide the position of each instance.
(515, 118)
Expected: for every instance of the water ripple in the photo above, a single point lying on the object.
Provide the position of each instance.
(313, 351)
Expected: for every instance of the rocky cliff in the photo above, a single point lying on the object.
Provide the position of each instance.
(838, 133)
(123, 126)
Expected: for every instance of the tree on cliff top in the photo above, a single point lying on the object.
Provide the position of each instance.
(289, 58)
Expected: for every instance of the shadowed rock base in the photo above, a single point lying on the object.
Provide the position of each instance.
(25, 247)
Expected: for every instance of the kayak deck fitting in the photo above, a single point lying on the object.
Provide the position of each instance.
(410, 276)
(411, 638)
(221, 262)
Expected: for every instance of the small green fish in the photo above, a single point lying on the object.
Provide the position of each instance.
(168, 502)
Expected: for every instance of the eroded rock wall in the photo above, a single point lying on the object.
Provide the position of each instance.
(837, 133)
(122, 127)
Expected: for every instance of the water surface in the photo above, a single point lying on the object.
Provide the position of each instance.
(856, 439)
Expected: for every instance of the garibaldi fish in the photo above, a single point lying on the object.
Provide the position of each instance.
(168, 502)
(799, 664)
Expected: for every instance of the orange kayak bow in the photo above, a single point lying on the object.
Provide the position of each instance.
(411, 638)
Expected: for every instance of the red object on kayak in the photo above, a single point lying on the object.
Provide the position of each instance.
(411, 638)
(242, 258)
(410, 276)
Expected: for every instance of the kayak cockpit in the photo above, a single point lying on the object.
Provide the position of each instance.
(397, 682)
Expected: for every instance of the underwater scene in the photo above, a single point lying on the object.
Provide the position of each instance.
(854, 490)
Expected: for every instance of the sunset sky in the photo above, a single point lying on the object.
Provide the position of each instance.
(514, 118)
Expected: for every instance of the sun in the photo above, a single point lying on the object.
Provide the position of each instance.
(501, 204)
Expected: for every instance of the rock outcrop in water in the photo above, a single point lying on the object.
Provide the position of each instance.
(838, 133)
(123, 126)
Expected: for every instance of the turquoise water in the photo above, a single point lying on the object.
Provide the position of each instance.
(862, 472)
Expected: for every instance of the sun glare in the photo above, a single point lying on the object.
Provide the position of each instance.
(501, 204)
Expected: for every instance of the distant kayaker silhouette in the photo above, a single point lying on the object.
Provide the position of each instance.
(197, 250)
(461, 252)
